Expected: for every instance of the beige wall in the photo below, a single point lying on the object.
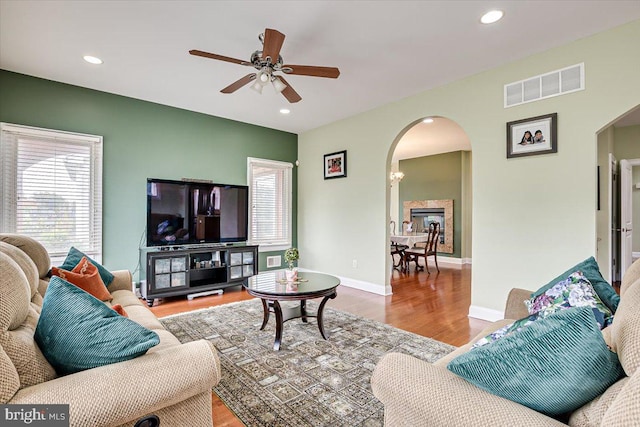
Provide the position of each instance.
(532, 216)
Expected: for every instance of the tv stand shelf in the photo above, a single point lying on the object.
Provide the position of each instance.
(196, 271)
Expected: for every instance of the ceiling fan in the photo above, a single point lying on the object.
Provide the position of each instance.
(268, 61)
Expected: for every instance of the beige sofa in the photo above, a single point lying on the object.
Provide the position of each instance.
(172, 380)
(416, 393)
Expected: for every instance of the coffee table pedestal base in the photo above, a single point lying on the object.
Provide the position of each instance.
(284, 314)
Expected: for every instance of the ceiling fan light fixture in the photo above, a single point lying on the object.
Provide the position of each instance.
(278, 85)
(264, 77)
(257, 86)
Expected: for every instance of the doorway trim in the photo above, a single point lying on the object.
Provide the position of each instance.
(626, 183)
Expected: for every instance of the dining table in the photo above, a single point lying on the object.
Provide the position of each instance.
(409, 240)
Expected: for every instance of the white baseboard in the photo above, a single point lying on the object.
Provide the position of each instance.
(451, 261)
(358, 284)
(447, 260)
(635, 255)
(484, 313)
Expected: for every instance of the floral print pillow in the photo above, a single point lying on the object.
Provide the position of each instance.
(504, 331)
(575, 291)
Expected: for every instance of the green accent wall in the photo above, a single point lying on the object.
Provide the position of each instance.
(143, 140)
(436, 177)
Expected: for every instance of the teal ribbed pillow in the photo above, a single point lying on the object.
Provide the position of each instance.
(588, 267)
(75, 256)
(76, 331)
(554, 365)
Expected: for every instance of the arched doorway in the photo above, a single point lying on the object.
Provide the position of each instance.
(429, 166)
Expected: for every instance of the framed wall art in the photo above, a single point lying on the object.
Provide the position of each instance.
(533, 136)
(335, 165)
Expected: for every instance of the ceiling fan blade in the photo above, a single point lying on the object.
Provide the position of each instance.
(273, 40)
(219, 57)
(238, 84)
(288, 92)
(310, 70)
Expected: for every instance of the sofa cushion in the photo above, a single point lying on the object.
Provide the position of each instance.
(591, 414)
(26, 264)
(18, 319)
(73, 258)
(77, 331)
(537, 367)
(32, 248)
(85, 276)
(625, 330)
(588, 267)
(9, 378)
(574, 291)
(623, 411)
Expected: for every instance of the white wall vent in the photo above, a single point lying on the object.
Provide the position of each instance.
(274, 261)
(558, 82)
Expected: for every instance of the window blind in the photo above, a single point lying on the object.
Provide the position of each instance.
(270, 195)
(52, 188)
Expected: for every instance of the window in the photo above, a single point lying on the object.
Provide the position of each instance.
(270, 194)
(51, 188)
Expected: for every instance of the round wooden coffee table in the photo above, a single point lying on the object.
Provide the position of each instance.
(271, 288)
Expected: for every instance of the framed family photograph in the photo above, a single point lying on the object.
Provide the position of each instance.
(335, 165)
(533, 136)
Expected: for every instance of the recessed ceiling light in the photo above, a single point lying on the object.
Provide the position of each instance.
(92, 59)
(492, 16)
(428, 120)
(284, 111)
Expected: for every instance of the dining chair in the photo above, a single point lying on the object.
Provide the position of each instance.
(430, 249)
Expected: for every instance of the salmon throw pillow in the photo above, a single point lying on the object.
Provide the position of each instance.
(85, 276)
(120, 310)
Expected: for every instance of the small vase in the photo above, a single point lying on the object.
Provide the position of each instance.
(291, 275)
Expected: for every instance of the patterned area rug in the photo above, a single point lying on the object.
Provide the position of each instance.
(310, 381)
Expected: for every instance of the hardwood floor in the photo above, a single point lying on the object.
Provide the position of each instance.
(432, 305)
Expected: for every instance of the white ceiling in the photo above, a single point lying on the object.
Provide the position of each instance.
(386, 50)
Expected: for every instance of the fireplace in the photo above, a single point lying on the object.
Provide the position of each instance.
(422, 217)
(422, 212)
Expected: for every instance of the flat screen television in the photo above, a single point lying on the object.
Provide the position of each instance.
(190, 212)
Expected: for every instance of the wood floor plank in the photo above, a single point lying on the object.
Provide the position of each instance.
(433, 305)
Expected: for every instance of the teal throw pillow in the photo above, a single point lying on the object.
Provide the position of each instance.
(553, 365)
(588, 267)
(76, 331)
(73, 258)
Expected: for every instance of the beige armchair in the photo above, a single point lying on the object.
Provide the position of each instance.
(416, 393)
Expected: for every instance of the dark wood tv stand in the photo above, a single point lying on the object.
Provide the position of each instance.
(195, 270)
